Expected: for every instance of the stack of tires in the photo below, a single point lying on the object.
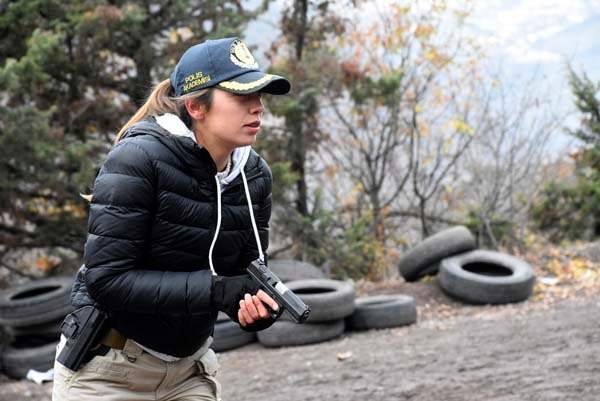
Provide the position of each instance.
(465, 273)
(330, 303)
(31, 314)
(228, 335)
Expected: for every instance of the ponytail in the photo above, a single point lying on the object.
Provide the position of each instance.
(154, 101)
(162, 101)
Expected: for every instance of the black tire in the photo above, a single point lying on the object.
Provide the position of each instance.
(291, 270)
(28, 353)
(423, 258)
(49, 330)
(327, 299)
(37, 302)
(228, 335)
(2, 348)
(284, 333)
(383, 311)
(222, 317)
(486, 277)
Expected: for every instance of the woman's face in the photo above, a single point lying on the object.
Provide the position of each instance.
(233, 120)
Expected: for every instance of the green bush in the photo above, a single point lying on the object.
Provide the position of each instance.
(569, 211)
(572, 210)
(498, 230)
(560, 212)
(347, 249)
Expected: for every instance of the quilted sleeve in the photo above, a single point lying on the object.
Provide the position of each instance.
(120, 219)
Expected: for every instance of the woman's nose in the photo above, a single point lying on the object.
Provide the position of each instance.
(256, 106)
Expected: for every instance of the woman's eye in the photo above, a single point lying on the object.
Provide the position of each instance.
(248, 97)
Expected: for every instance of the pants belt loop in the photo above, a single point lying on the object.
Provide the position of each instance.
(131, 351)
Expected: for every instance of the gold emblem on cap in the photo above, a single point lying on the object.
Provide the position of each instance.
(238, 86)
(241, 56)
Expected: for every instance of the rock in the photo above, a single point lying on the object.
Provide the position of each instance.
(36, 263)
(590, 251)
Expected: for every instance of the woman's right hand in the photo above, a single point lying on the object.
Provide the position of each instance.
(233, 295)
(253, 308)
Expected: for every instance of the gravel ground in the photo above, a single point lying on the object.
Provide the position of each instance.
(543, 354)
(528, 351)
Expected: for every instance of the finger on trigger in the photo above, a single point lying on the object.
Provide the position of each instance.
(263, 296)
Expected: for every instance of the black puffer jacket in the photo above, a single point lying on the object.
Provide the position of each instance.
(152, 219)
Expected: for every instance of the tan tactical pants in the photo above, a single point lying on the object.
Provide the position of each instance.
(132, 374)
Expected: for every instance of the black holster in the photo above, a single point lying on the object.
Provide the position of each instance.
(83, 329)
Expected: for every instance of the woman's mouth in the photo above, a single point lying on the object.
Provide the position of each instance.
(253, 127)
(254, 124)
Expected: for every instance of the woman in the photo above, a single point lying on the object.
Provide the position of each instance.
(179, 209)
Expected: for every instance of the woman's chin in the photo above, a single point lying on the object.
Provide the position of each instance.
(248, 140)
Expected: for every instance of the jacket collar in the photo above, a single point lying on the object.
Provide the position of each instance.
(173, 124)
(194, 155)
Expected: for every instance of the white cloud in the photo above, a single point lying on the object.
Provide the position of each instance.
(527, 55)
(517, 26)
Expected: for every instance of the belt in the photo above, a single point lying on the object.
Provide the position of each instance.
(114, 339)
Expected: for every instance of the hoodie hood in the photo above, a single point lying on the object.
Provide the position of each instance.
(173, 124)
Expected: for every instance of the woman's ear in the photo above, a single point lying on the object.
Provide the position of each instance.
(195, 109)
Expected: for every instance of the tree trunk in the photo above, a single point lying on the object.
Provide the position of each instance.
(298, 144)
(298, 147)
(423, 217)
(378, 223)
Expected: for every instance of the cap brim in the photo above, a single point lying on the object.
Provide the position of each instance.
(256, 81)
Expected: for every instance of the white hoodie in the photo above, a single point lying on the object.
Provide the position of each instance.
(175, 126)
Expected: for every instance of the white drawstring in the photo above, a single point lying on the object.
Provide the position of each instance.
(261, 256)
(210, 262)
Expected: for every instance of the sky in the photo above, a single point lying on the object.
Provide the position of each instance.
(544, 33)
(524, 32)
(529, 36)
(525, 37)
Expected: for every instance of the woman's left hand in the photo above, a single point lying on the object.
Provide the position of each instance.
(254, 308)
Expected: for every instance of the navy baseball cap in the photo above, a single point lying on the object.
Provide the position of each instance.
(226, 64)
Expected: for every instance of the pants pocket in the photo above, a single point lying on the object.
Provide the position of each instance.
(209, 363)
(208, 367)
(62, 380)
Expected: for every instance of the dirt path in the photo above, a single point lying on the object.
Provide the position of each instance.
(542, 355)
(498, 355)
